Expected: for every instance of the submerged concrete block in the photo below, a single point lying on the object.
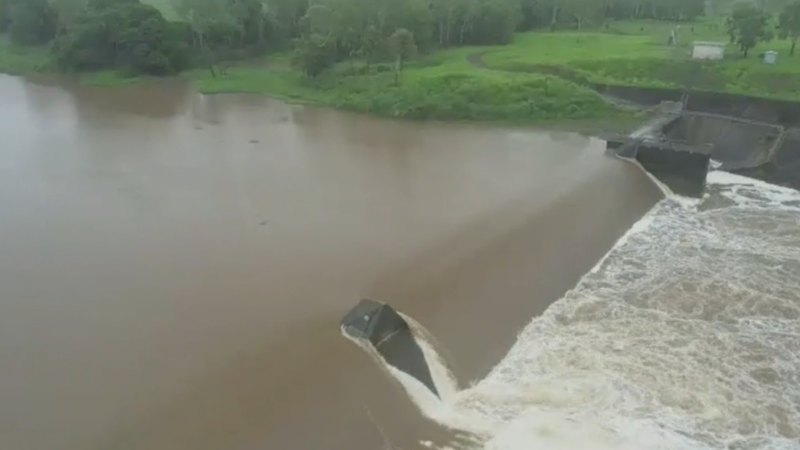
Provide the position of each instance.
(677, 149)
(382, 327)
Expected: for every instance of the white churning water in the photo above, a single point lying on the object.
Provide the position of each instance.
(685, 336)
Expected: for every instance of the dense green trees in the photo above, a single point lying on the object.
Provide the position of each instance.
(660, 9)
(67, 12)
(576, 14)
(332, 30)
(226, 24)
(459, 22)
(313, 54)
(122, 34)
(96, 34)
(402, 47)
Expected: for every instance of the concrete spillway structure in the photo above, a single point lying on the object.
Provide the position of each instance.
(782, 167)
(677, 150)
(682, 169)
(380, 326)
(751, 136)
(734, 143)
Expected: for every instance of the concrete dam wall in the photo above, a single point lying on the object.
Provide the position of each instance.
(783, 165)
(678, 150)
(777, 112)
(734, 143)
(682, 168)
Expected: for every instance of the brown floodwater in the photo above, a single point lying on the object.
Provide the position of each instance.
(173, 266)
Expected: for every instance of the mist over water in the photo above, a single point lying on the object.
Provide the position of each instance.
(685, 336)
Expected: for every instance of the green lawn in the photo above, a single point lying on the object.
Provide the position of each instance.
(635, 53)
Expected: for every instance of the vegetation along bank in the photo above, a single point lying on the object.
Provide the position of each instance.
(511, 60)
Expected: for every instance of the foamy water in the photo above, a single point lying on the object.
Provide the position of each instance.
(685, 336)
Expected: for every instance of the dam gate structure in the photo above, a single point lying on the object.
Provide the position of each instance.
(678, 148)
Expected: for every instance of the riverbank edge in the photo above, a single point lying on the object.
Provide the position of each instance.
(440, 86)
(472, 93)
(303, 95)
(601, 118)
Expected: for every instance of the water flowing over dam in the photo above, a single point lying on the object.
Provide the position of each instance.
(683, 336)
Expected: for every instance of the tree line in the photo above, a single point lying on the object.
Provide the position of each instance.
(99, 34)
(752, 22)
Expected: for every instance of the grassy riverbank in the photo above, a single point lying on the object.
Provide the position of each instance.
(18, 60)
(539, 76)
(443, 86)
(440, 86)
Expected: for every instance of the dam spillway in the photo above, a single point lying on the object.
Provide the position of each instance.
(679, 149)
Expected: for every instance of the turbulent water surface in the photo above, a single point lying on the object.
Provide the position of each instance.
(685, 336)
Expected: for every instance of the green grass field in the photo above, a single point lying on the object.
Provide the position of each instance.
(635, 53)
(444, 86)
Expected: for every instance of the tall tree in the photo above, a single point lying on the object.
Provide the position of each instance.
(212, 25)
(285, 15)
(371, 45)
(658, 9)
(459, 22)
(747, 25)
(554, 6)
(581, 11)
(252, 18)
(494, 22)
(789, 23)
(532, 14)
(313, 54)
(403, 47)
(206, 17)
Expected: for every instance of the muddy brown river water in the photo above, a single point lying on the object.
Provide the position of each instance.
(173, 266)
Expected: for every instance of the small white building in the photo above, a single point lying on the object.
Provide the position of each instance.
(708, 50)
(771, 57)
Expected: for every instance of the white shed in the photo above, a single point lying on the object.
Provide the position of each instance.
(708, 50)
